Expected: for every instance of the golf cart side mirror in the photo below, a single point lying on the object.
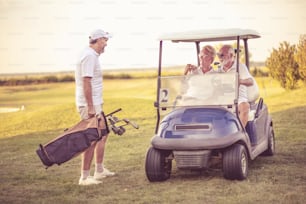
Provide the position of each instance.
(237, 50)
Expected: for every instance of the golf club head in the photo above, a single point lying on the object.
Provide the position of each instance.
(118, 130)
(116, 123)
(131, 123)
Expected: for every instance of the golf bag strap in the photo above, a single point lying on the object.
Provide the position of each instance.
(103, 130)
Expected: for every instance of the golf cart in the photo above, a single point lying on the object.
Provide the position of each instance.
(197, 116)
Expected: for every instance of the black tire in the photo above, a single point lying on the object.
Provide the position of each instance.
(158, 167)
(235, 162)
(271, 143)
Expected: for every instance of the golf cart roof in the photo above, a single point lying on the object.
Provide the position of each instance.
(210, 35)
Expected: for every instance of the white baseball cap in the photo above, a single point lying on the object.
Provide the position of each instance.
(96, 34)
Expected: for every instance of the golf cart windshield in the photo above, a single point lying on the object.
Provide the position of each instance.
(198, 90)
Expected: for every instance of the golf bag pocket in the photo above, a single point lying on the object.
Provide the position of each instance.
(73, 141)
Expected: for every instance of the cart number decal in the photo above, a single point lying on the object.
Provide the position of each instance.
(164, 93)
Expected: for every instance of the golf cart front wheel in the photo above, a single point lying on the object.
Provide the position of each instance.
(158, 166)
(235, 163)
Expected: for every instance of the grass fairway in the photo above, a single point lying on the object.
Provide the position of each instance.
(49, 109)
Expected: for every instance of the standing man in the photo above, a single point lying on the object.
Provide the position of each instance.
(228, 63)
(206, 57)
(89, 101)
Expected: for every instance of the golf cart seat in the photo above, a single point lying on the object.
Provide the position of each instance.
(253, 92)
(253, 95)
(251, 126)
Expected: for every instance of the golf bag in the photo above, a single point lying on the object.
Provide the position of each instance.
(73, 141)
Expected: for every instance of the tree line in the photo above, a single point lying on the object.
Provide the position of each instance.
(28, 80)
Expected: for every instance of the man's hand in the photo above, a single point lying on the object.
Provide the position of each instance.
(189, 68)
(91, 111)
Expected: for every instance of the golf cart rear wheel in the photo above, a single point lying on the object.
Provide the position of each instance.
(271, 143)
(235, 163)
(158, 167)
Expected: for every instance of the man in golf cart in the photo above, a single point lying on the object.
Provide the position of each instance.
(228, 64)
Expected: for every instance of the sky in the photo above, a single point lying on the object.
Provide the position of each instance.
(48, 35)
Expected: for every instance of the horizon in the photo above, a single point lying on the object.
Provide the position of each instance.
(127, 69)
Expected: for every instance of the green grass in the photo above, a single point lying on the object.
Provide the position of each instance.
(50, 108)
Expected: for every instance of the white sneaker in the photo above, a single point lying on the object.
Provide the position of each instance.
(88, 181)
(103, 174)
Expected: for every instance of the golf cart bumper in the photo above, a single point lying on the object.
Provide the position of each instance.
(197, 143)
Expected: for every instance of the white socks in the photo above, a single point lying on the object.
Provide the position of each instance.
(85, 174)
(99, 168)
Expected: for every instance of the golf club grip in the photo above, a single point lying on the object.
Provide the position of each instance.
(119, 109)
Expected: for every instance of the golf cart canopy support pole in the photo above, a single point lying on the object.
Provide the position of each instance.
(237, 83)
(246, 53)
(198, 51)
(237, 54)
(160, 57)
(158, 85)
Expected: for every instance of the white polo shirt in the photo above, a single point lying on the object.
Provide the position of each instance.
(243, 74)
(88, 65)
(200, 71)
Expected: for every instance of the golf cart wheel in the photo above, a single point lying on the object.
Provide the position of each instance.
(158, 167)
(235, 162)
(271, 143)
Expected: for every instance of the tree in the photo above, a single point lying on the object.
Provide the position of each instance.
(283, 66)
(300, 57)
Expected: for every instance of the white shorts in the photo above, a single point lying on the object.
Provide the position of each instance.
(83, 111)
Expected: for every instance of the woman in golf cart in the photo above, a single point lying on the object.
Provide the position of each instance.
(206, 56)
